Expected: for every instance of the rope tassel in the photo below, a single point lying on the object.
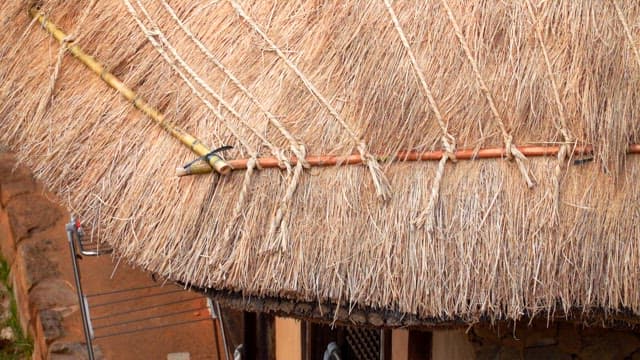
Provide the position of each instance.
(383, 188)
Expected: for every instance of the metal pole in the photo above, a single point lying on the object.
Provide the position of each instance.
(224, 336)
(71, 230)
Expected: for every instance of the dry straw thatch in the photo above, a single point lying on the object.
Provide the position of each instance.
(440, 239)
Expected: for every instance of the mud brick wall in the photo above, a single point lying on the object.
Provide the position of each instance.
(34, 243)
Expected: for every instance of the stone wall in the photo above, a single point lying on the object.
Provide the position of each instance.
(557, 340)
(33, 242)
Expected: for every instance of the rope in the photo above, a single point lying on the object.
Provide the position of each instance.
(237, 212)
(295, 144)
(150, 36)
(383, 188)
(561, 122)
(277, 223)
(298, 149)
(511, 150)
(448, 141)
(427, 216)
(157, 32)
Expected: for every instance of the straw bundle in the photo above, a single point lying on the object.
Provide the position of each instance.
(454, 238)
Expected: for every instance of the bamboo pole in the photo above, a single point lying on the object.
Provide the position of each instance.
(463, 154)
(213, 162)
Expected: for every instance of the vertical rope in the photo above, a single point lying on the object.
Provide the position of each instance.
(237, 212)
(276, 235)
(383, 188)
(511, 150)
(561, 122)
(448, 141)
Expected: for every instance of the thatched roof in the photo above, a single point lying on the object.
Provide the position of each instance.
(432, 238)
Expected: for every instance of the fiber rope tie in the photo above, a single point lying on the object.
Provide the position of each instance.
(511, 151)
(283, 162)
(383, 188)
(276, 235)
(252, 164)
(427, 218)
(300, 151)
(449, 146)
(562, 156)
(448, 141)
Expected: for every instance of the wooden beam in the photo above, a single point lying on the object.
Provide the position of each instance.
(288, 338)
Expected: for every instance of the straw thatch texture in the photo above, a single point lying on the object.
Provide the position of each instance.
(454, 239)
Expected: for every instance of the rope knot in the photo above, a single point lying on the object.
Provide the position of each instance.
(154, 32)
(449, 146)
(364, 152)
(283, 161)
(253, 162)
(301, 154)
(383, 188)
(508, 146)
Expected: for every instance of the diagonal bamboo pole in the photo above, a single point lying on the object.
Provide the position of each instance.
(213, 161)
(462, 154)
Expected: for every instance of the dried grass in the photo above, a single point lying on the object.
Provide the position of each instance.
(495, 247)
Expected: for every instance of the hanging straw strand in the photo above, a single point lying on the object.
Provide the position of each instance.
(560, 122)
(238, 210)
(511, 150)
(448, 141)
(383, 189)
